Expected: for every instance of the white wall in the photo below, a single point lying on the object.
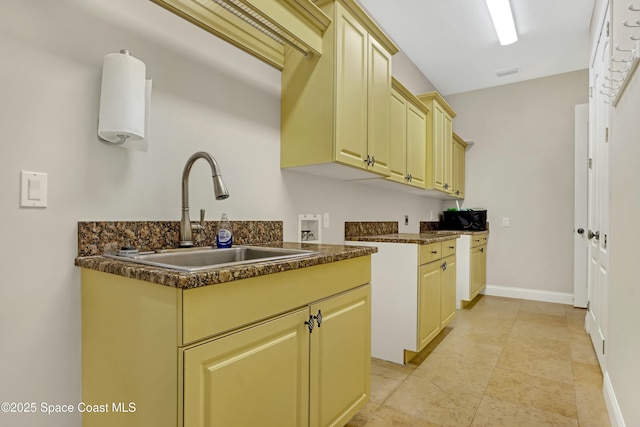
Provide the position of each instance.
(521, 168)
(207, 95)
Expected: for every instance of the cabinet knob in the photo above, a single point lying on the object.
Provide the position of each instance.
(591, 235)
(318, 318)
(310, 323)
(434, 252)
(444, 266)
(481, 250)
(452, 247)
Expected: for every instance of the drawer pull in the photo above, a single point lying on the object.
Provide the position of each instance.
(481, 250)
(452, 247)
(444, 266)
(434, 252)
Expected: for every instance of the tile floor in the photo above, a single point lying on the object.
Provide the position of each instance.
(501, 362)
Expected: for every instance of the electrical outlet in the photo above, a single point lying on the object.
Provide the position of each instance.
(406, 220)
(505, 222)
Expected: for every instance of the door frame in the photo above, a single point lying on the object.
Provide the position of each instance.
(580, 206)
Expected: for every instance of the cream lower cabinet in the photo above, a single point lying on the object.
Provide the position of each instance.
(413, 296)
(335, 108)
(240, 353)
(471, 267)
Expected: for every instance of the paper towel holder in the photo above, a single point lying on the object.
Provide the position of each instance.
(117, 138)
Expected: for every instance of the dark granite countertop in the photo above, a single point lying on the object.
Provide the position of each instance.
(417, 238)
(185, 280)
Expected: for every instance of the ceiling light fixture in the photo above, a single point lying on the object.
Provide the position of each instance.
(502, 18)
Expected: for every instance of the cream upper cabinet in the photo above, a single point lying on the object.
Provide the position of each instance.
(439, 142)
(335, 109)
(408, 137)
(459, 153)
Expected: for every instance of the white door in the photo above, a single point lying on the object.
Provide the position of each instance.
(599, 200)
(580, 241)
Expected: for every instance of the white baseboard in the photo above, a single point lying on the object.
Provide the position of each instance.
(529, 294)
(615, 414)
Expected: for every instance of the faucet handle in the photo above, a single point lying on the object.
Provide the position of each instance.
(198, 227)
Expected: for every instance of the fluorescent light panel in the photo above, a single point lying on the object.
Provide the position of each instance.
(502, 18)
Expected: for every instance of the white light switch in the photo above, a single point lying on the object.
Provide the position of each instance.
(33, 191)
(505, 222)
(325, 220)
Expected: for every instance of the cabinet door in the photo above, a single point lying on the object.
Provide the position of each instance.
(351, 90)
(459, 151)
(447, 150)
(483, 266)
(438, 147)
(448, 291)
(429, 285)
(476, 262)
(255, 377)
(340, 358)
(398, 137)
(379, 85)
(416, 145)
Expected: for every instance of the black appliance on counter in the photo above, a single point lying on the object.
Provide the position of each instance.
(466, 220)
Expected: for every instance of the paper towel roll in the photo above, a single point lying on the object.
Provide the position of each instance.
(122, 98)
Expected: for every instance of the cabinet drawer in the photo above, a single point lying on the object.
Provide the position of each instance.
(449, 247)
(430, 252)
(212, 310)
(478, 239)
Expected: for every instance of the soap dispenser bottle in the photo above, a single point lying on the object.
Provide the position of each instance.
(224, 238)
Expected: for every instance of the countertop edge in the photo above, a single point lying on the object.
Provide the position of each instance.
(187, 280)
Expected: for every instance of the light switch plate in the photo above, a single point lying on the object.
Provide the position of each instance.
(33, 189)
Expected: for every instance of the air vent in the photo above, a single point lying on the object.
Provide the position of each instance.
(508, 71)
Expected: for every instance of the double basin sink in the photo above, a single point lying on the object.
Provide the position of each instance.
(198, 259)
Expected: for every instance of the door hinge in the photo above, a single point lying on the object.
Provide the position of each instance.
(604, 242)
(590, 163)
(590, 91)
(607, 29)
(588, 305)
(602, 346)
(606, 135)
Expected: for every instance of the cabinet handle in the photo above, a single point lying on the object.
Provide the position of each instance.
(373, 161)
(318, 318)
(444, 266)
(452, 247)
(368, 161)
(457, 192)
(481, 250)
(434, 252)
(310, 324)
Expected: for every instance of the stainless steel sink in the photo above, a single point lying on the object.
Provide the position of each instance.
(197, 259)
